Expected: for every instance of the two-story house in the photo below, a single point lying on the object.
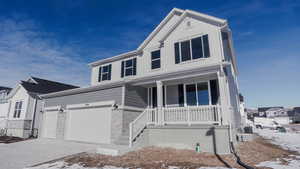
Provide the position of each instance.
(21, 111)
(3, 105)
(178, 88)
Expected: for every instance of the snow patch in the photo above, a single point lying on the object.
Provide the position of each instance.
(288, 140)
(292, 164)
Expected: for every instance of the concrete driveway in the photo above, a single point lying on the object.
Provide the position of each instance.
(27, 153)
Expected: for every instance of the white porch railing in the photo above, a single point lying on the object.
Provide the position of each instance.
(175, 115)
(192, 115)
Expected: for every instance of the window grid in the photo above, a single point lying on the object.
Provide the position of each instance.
(191, 50)
(129, 69)
(155, 60)
(105, 72)
(18, 109)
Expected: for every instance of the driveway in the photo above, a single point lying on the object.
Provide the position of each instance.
(27, 153)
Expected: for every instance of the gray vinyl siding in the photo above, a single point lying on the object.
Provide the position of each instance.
(135, 96)
(88, 97)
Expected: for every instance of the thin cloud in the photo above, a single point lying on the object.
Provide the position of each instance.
(25, 51)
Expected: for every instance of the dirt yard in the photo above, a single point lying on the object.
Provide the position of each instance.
(10, 139)
(250, 153)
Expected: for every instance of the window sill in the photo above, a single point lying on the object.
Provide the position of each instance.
(193, 60)
(155, 70)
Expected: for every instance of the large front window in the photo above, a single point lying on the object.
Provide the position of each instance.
(192, 49)
(187, 94)
(197, 94)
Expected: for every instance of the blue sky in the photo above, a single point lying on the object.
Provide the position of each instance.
(56, 39)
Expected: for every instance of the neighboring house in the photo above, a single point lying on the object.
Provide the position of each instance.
(3, 105)
(276, 112)
(178, 88)
(24, 105)
(268, 111)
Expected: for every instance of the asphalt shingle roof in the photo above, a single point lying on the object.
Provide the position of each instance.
(43, 86)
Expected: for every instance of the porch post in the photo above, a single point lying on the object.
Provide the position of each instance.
(224, 102)
(159, 86)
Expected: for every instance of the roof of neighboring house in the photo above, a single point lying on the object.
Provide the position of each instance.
(263, 109)
(43, 86)
(274, 109)
(7, 89)
(4, 88)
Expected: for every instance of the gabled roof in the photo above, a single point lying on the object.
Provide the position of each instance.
(5, 88)
(43, 86)
(183, 13)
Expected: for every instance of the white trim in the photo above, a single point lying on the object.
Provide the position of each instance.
(214, 21)
(102, 73)
(90, 105)
(131, 108)
(52, 108)
(131, 67)
(123, 94)
(196, 85)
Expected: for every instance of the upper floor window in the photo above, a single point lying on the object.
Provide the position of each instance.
(128, 67)
(155, 59)
(18, 109)
(104, 73)
(192, 49)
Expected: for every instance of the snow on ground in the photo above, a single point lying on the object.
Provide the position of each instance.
(289, 141)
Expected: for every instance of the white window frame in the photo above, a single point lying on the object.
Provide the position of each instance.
(191, 51)
(195, 83)
(102, 73)
(18, 111)
(155, 59)
(131, 67)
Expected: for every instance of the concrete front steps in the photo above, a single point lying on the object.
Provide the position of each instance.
(113, 149)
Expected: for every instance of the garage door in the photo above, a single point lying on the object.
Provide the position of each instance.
(49, 124)
(89, 124)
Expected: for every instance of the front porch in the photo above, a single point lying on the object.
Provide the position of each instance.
(185, 101)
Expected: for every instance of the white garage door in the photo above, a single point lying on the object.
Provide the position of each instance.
(89, 124)
(49, 124)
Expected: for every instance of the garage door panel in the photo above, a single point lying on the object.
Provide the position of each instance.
(89, 125)
(49, 124)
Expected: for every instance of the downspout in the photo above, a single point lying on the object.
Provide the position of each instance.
(232, 149)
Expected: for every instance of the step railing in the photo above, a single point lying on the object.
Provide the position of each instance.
(174, 115)
(149, 116)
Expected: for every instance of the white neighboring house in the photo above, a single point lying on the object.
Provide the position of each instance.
(178, 88)
(4, 105)
(23, 105)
